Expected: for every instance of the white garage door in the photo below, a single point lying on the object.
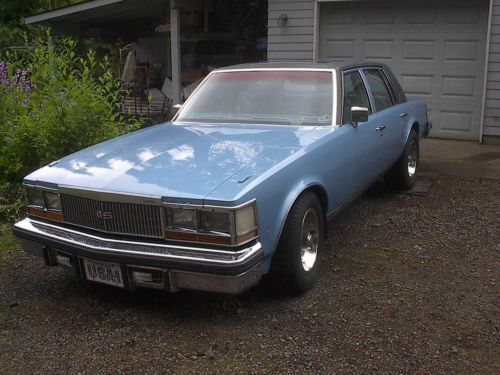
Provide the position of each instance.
(436, 49)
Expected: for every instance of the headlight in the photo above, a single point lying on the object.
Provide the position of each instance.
(44, 204)
(181, 218)
(215, 221)
(35, 197)
(52, 201)
(245, 224)
(217, 225)
(245, 219)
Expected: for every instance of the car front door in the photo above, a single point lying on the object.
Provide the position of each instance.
(358, 144)
(386, 117)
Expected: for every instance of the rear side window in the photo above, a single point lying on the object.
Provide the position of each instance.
(355, 95)
(381, 94)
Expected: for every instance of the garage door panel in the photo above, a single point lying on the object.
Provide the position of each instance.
(379, 17)
(462, 50)
(378, 49)
(459, 86)
(452, 120)
(341, 48)
(422, 15)
(437, 52)
(456, 16)
(418, 50)
(340, 15)
(417, 84)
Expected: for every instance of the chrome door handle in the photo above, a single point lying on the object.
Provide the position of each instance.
(380, 129)
(403, 115)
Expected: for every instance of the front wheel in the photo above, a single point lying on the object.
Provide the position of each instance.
(297, 261)
(403, 174)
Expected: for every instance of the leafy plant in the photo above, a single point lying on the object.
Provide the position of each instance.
(12, 202)
(52, 103)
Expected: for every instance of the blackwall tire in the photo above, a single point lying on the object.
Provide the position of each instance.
(297, 262)
(403, 175)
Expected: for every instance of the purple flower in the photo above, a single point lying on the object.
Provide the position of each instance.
(19, 79)
(4, 74)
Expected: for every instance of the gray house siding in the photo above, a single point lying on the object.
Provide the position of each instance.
(295, 40)
(492, 105)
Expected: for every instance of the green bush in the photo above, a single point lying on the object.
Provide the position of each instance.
(53, 103)
(12, 202)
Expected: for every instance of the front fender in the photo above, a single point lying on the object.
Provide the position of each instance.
(290, 199)
(275, 196)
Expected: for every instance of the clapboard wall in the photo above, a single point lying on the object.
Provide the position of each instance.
(295, 40)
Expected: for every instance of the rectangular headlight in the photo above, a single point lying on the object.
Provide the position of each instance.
(215, 221)
(44, 204)
(35, 197)
(52, 201)
(246, 227)
(216, 225)
(182, 218)
(245, 219)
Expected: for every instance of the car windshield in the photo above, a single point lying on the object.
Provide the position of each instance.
(263, 97)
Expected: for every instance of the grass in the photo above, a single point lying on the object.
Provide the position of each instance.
(7, 241)
(12, 205)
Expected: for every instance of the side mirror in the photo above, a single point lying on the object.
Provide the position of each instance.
(174, 109)
(359, 114)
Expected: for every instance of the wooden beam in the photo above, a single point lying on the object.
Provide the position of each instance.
(205, 16)
(175, 45)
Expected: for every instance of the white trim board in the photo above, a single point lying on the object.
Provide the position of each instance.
(486, 68)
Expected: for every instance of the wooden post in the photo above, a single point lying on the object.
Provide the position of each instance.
(175, 45)
(205, 16)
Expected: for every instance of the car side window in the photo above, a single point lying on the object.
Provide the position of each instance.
(378, 86)
(355, 95)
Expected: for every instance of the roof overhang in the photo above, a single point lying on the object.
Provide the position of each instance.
(99, 12)
(100, 18)
(61, 13)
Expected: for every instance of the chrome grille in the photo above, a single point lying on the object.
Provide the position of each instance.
(112, 217)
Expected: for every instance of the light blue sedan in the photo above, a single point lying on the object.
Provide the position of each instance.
(241, 182)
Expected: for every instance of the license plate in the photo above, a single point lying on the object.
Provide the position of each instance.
(102, 272)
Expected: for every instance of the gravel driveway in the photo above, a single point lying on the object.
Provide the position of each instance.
(410, 284)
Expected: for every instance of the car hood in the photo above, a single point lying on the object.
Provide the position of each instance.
(175, 161)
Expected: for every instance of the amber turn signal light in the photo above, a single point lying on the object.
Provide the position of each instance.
(40, 212)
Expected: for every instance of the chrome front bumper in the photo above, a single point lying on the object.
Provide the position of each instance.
(184, 267)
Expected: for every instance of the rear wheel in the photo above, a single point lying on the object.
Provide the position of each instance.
(297, 261)
(403, 174)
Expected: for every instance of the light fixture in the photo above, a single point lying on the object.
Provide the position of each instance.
(282, 19)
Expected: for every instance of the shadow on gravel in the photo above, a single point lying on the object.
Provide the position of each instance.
(60, 287)
(409, 284)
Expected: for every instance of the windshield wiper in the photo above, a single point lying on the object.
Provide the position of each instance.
(210, 116)
(315, 120)
(285, 120)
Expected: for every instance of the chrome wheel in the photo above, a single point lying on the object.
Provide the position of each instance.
(412, 159)
(309, 239)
